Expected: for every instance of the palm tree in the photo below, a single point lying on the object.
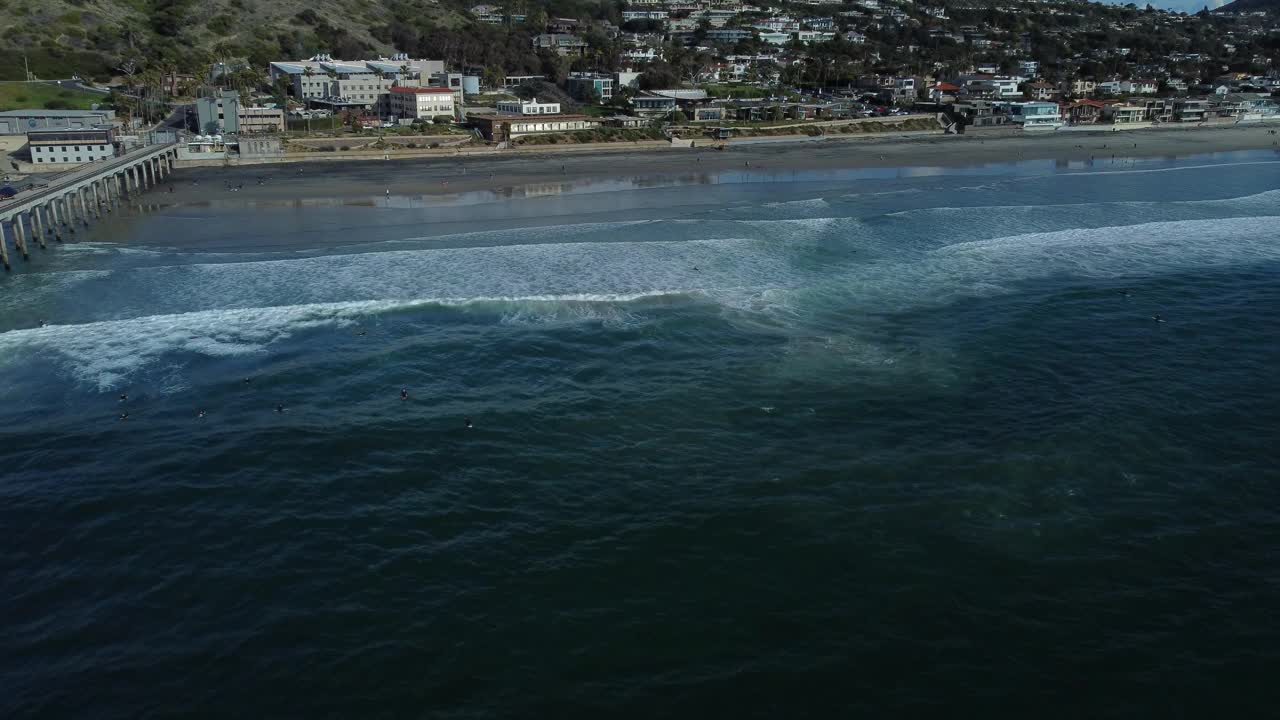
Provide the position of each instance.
(309, 73)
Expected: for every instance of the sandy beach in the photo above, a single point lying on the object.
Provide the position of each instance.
(460, 174)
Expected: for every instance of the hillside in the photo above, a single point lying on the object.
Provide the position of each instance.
(95, 37)
(1252, 5)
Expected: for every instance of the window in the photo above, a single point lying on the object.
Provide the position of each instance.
(64, 148)
(39, 159)
(78, 159)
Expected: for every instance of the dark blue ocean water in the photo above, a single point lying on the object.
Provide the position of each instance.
(796, 445)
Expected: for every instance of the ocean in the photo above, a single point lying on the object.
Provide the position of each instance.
(741, 444)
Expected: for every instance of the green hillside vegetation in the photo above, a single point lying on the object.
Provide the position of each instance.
(102, 39)
(22, 96)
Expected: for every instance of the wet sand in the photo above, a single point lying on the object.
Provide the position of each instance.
(505, 173)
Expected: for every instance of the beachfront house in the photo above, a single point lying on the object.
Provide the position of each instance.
(1086, 112)
(1035, 115)
(1127, 114)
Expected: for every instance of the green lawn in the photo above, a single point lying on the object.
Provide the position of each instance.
(26, 96)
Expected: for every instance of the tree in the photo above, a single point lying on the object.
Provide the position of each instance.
(494, 77)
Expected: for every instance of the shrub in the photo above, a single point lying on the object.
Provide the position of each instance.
(345, 148)
(411, 145)
(434, 145)
(57, 105)
(442, 119)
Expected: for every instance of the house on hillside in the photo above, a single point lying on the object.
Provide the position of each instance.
(562, 43)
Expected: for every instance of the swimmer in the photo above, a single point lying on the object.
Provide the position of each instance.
(124, 416)
(362, 333)
(388, 192)
(695, 269)
(200, 414)
(44, 324)
(246, 381)
(1125, 293)
(1157, 318)
(404, 393)
(279, 408)
(466, 422)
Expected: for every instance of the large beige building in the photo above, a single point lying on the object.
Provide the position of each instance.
(417, 103)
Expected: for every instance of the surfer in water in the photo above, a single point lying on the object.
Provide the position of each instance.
(124, 396)
(1157, 318)
(124, 416)
(279, 408)
(200, 414)
(466, 422)
(404, 393)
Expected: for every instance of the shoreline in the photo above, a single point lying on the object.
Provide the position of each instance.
(501, 175)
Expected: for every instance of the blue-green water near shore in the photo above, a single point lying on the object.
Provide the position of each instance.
(776, 445)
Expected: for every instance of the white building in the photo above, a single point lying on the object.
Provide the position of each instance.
(1036, 115)
(415, 103)
(70, 147)
(528, 107)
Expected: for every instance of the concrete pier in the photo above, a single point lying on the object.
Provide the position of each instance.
(97, 187)
(4, 249)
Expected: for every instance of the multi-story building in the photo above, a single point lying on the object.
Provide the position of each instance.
(417, 103)
(360, 83)
(71, 147)
(528, 107)
(501, 128)
(582, 86)
(224, 113)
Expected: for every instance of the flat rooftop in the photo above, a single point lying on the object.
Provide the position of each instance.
(38, 112)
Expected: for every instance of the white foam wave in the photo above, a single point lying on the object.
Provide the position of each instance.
(103, 354)
(1140, 171)
(807, 204)
(1196, 240)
